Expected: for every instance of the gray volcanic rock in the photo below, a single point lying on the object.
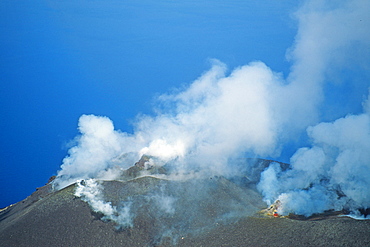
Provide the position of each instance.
(208, 211)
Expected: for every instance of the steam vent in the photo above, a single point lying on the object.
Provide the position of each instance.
(148, 205)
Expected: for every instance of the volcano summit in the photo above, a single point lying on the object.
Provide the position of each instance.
(147, 206)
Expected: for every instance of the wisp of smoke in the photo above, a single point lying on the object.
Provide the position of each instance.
(90, 191)
(251, 111)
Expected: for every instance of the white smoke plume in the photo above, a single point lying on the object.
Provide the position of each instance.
(255, 111)
(332, 174)
(90, 191)
(95, 152)
(335, 172)
(205, 128)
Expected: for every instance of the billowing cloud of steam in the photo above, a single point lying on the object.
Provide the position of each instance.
(332, 174)
(215, 118)
(335, 172)
(94, 156)
(253, 111)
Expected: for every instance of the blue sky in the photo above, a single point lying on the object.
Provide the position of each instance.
(62, 59)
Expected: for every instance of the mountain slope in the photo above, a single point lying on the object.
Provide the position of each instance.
(153, 211)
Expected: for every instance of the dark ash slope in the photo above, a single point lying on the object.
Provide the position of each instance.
(212, 211)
